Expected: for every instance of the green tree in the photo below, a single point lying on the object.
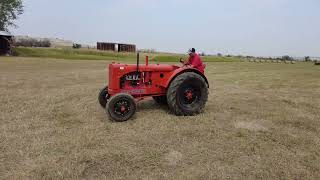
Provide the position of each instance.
(76, 46)
(9, 11)
(307, 58)
(287, 58)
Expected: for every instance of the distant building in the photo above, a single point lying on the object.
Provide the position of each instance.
(116, 47)
(6, 41)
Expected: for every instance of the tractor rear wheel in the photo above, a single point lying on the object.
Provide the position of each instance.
(121, 107)
(103, 97)
(162, 100)
(187, 94)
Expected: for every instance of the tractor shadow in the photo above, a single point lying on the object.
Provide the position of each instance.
(149, 105)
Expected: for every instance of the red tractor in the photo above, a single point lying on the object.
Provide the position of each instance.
(183, 89)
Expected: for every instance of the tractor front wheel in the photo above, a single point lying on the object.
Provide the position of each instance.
(103, 97)
(187, 94)
(121, 107)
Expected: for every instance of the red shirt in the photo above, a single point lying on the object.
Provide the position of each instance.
(196, 62)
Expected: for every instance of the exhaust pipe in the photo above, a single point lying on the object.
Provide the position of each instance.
(138, 59)
(147, 60)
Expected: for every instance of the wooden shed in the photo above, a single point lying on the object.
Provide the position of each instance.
(106, 46)
(6, 41)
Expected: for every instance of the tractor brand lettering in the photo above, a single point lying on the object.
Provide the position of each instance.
(134, 91)
(121, 68)
(133, 77)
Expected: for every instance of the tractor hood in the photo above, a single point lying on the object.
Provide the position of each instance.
(144, 79)
(133, 67)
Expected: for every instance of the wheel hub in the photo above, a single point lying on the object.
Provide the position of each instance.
(122, 107)
(189, 94)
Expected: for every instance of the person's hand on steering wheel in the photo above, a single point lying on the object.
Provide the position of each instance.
(182, 61)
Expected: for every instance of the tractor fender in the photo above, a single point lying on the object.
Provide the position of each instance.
(181, 71)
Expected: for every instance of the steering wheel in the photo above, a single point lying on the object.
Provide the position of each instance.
(182, 62)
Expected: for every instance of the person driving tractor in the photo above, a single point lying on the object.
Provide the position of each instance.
(194, 61)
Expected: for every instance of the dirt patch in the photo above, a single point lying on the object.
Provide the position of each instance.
(251, 125)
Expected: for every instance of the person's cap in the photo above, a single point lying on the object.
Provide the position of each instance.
(192, 50)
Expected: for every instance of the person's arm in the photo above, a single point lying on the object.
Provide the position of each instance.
(185, 62)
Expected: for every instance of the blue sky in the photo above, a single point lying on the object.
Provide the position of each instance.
(248, 27)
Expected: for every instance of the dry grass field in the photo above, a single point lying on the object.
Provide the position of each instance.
(262, 121)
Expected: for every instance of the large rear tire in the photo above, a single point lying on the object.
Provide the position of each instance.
(121, 107)
(187, 94)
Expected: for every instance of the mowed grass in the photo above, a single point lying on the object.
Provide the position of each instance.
(262, 121)
(91, 54)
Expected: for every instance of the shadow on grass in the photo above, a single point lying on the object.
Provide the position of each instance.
(150, 105)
